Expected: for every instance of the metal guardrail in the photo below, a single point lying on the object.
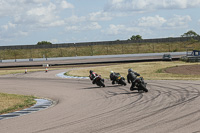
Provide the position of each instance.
(190, 58)
(194, 58)
(159, 40)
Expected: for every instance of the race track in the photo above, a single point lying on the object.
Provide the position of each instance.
(169, 106)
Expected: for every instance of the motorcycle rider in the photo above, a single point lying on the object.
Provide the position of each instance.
(114, 76)
(92, 76)
(131, 77)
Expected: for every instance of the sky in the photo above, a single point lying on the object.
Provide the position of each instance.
(26, 22)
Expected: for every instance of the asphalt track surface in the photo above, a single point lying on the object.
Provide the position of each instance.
(81, 107)
(169, 106)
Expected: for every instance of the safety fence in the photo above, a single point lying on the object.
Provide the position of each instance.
(117, 42)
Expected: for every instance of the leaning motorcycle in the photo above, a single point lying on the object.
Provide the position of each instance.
(99, 81)
(120, 80)
(141, 85)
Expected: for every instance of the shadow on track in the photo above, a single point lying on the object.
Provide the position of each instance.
(96, 87)
(122, 93)
(89, 88)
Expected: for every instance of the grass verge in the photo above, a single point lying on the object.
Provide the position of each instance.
(13, 102)
(148, 70)
(107, 49)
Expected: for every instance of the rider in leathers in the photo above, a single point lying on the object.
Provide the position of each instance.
(92, 76)
(131, 77)
(112, 77)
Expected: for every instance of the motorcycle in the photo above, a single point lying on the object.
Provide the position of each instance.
(141, 85)
(120, 80)
(99, 81)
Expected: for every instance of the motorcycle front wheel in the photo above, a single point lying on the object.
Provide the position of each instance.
(123, 82)
(143, 88)
(101, 83)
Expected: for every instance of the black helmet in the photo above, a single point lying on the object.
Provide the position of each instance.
(91, 71)
(130, 70)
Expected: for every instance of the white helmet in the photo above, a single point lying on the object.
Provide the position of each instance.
(111, 72)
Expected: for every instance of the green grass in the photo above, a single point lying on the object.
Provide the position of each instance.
(148, 70)
(13, 102)
(132, 48)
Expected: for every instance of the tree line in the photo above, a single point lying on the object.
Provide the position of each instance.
(190, 33)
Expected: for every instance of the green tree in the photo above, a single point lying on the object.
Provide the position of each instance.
(44, 43)
(137, 37)
(190, 33)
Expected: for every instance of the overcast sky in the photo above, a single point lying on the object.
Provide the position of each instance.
(26, 22)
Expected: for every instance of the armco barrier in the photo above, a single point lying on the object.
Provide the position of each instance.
(163, 40)
(194, 59)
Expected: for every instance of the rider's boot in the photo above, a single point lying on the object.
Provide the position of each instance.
(113, 82)
(93, 82)
(132, 89)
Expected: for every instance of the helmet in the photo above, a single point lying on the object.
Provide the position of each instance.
(111, 72)
(91, 71)
(130, 70)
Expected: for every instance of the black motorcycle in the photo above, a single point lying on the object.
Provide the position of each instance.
(141, 85)
(120, 80)
(99, 81)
